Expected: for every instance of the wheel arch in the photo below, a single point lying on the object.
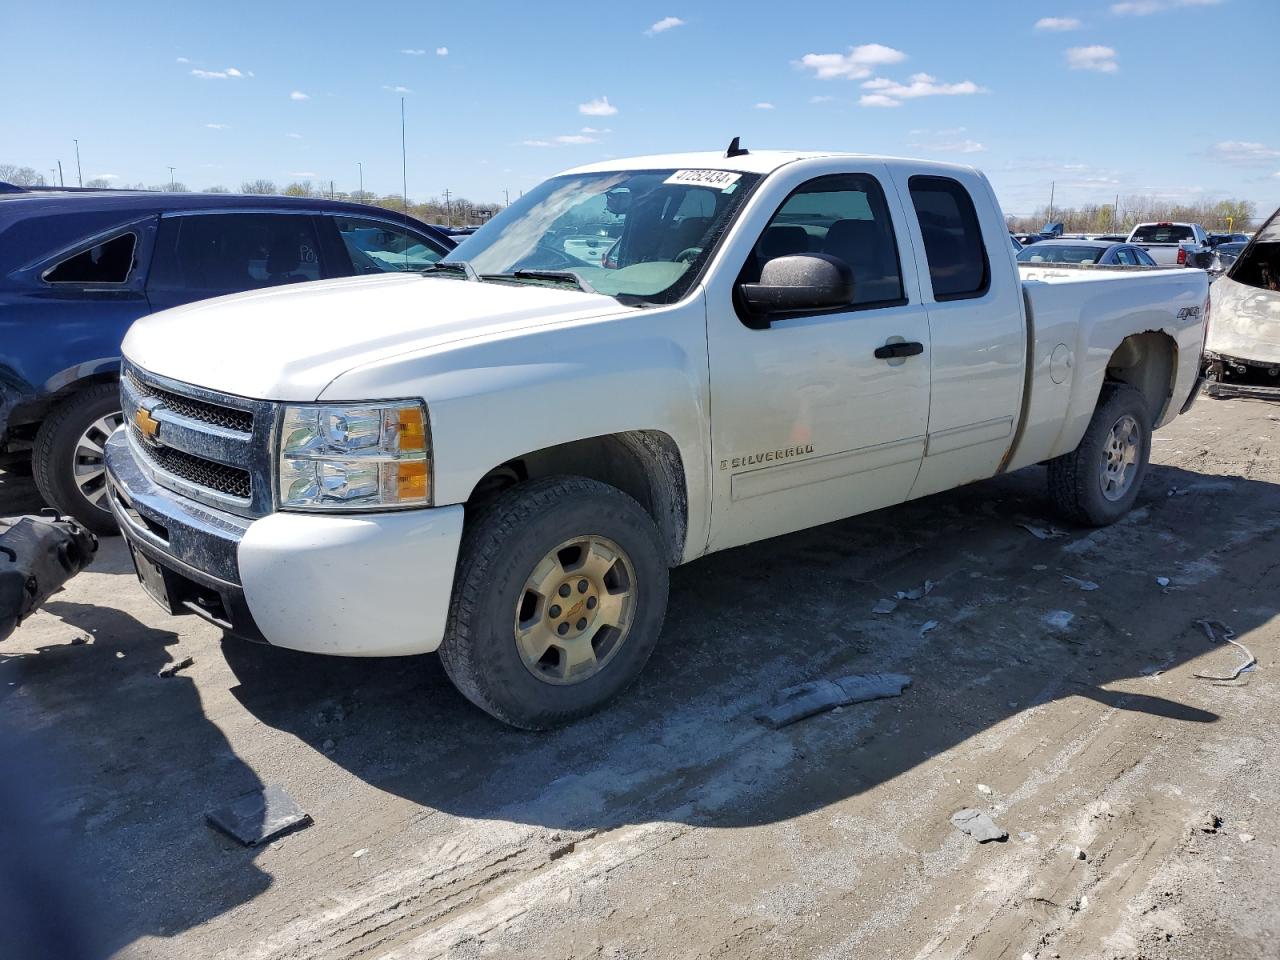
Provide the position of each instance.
(1148, 362)
(644, 464)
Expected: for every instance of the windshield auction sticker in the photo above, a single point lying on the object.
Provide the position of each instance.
(716, 179)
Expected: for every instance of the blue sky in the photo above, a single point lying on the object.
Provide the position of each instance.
(1101, 96)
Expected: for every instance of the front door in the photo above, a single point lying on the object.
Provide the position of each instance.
(808, 424)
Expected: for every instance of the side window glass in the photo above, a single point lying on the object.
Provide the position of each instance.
(953, 244)
(108, 262)
(845, 216)
(1125, 256)
(230, 252)
(378, 247)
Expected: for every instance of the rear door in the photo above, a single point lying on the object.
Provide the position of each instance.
(213, 253)
(973, 296)
(808, 424)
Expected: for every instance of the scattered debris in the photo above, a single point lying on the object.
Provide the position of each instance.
(1162, 581)
(885, 606)
(1039, 566)
(1058, 619)
(259, 815)
(1043, 533)
(1085, 585)
(169, 669)
(1246, 837)
(1027, 837)
(1080, 854)
(359, 853)
(1210, 823)
(806, 699)
(80, 640)
(978, 825)
(1229, 636)
(984, 789)
(920, 591)
(927, 626)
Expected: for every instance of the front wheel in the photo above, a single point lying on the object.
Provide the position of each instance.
(558, 601)
(68, 458)
(1098, 482)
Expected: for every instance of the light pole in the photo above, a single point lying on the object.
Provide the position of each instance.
(360, 166)
(506, 198)
(171, 180)
(79, 172)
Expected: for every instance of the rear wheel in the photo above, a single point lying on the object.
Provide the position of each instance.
(68, 458)
(1098, 482)
(559, 598)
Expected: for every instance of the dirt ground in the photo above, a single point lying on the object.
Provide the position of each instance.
(674, 824)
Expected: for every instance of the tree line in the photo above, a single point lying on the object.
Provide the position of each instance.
(1214, 215)
(456, 211)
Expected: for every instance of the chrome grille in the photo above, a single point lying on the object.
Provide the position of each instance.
(211, 447)
(211, 413)
(227, 480)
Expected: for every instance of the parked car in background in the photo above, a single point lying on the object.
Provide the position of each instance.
(1098, 252)
(1173, 244)
(504, 456)
(1216, 239)
(1242, 351)
(77, 268)
(1223, 256)
(1016, 245)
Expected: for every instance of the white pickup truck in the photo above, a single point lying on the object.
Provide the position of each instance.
(641, 362)
(1173, 244)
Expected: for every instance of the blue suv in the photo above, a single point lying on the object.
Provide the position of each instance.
(77, 268)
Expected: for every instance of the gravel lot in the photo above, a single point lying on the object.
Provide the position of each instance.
(674, 824)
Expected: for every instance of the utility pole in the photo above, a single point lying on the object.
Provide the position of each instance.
(404, 163)
(448, 210)
(506, 197)
(360, 167)
(330, 189)
(1052, 187)
(171, 180)
(61, 182)
(79, 172)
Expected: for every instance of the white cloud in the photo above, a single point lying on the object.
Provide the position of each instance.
(183, 60)
(413, 53)
(854, 65)
(442, 51)
(1057, 24)
(663, 25)
(962, 145)
(303, 173)
(599, 107)
(230, 73)
(218, 126)
(536, 143)
(763, 105)
(821, 99)
(1244, 153)
(891, 93)
(396, 89)
(594, 130)
(294, 136)
(1144, 8)
(575, 138)
(299, 95)
(1095, 57)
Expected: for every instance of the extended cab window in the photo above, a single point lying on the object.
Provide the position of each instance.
(110, 261)
(230, 252)
(845, 216)
(1163, 233)
(953, 244)
(378, 247)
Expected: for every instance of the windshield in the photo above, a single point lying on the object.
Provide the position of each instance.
(1162, 233)
(1052, 253)
(639, 235)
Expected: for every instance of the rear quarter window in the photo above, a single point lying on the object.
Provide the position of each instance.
(958, 266)
(111, 261)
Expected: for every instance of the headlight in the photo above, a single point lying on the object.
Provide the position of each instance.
(348, 456)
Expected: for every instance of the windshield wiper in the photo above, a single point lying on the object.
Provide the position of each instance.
(461, 267)
(556, 276)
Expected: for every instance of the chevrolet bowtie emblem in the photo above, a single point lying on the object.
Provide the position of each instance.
(147, 425)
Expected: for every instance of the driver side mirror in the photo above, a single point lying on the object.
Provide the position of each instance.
(799, 283)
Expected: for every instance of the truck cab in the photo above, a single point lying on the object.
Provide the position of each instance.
(640, 362)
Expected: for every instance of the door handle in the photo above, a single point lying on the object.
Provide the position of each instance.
(891, 351)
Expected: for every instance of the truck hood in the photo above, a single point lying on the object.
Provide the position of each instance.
(1244, 321)
(288, 343)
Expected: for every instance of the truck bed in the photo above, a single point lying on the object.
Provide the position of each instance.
(1077, 316)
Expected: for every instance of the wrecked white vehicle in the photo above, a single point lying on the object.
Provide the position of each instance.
(1242, 352)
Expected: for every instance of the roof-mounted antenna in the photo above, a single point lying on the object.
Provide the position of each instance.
(735, 150)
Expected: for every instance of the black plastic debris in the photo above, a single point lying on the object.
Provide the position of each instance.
(259, 816)
(806, 699)
(978, 825)
(169, 669)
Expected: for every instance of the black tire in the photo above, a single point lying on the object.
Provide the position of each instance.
(1074, 478)
(500, 550)
(54, 454)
